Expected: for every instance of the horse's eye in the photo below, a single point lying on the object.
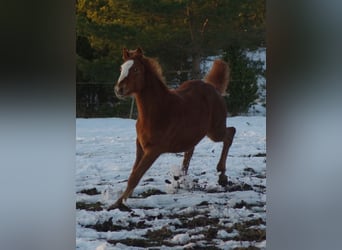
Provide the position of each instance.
(135, 70)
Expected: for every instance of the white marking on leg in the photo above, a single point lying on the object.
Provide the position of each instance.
(124, 69)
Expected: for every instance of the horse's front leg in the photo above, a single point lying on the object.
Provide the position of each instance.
(139, 154)
(186, 160)
(137, 173)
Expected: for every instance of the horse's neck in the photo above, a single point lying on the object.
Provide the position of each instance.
(152, 100)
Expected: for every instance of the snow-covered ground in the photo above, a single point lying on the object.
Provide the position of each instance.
(169, 211)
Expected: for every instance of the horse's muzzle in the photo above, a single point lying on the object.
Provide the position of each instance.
(119, 91)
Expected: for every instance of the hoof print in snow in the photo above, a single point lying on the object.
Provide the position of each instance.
(249, 170)
(89, 206)
(148, 180)
(91, 191)
(239, 187)
(151, 192)
(121, 207)
(203, 203)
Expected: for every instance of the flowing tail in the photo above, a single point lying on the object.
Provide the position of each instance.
(218, 76)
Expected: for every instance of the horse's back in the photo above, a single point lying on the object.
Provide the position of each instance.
(201, 94)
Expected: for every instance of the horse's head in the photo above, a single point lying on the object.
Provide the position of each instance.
(131, 79)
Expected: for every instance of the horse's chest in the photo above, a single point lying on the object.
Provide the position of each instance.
(147, 137)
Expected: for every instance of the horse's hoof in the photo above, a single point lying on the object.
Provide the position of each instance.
(223, 180)
(119, 206)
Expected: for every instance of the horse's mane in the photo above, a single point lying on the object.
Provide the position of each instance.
(154, 66)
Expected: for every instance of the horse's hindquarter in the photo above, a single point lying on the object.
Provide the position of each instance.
(192, 114)
(200, 101)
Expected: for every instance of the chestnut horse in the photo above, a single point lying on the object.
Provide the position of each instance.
(173, 120)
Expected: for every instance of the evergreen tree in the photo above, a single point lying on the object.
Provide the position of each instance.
(243, 88)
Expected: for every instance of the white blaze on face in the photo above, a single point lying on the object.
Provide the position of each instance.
(125, 69)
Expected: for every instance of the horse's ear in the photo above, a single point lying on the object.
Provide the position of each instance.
(125, 54)
(139, 51)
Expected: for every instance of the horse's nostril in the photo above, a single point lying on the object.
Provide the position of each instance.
(119, 91)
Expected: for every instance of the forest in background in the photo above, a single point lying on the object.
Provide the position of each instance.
(181, 34)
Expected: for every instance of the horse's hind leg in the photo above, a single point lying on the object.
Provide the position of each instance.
(221, 166)
(227, 137)
(186, 160)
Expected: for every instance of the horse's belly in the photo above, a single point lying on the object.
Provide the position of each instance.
(174, 142)
(184, 141)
